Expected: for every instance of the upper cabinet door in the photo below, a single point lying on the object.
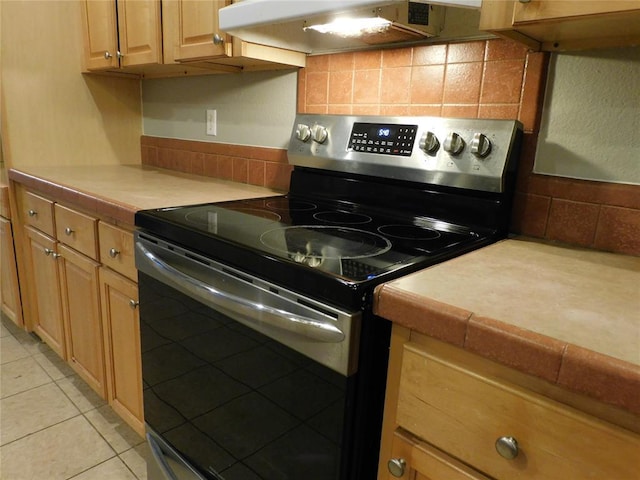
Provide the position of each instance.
(191, 30)
(541, 10)
(557, 25)
(101, 34)
(140, 32)
(122, 34)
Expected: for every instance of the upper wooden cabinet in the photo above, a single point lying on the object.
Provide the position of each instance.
(122, 34)
(154, 38)
(191, 32)
(191, 36)
(556, 25)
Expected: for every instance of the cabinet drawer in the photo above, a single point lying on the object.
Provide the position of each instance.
(116, 250)
(464, 414)
(36, 211)
(77, 230)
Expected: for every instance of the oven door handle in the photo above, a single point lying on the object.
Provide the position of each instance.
(311, 329)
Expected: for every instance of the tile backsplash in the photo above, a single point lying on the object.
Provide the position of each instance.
(266, 167)
(479, 79)
(483, 79)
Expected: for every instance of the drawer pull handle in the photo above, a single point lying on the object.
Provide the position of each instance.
(68, 231)
(507, 447)
(32, 213)
(133, 304)
(396, 466)
(113, 253)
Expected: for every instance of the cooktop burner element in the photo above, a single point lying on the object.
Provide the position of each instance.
(324, 242)
(290, 205)
(345, 218)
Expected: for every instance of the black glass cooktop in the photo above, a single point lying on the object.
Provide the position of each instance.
(341, 240)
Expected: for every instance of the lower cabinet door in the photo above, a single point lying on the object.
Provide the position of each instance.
(45, 300)
(121, 325)
(10, 294)
(82, 318)
(412, 459)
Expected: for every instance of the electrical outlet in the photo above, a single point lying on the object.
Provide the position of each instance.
(211, 122)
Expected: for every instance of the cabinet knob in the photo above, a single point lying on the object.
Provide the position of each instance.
(32, 213)
(507, 447)
(68, 231)
(48, 251)
(113, 253)
(397, 466)
(119, 55)
(133, 304)
(217, 39)
(524, 1)
(107, 55)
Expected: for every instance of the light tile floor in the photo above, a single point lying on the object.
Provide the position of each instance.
(52, 425)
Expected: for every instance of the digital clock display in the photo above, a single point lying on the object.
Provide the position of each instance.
(383, 138)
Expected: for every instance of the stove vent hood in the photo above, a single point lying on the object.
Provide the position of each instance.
(291, 24)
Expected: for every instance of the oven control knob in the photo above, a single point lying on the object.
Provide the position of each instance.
(480, 145)
(454, 143)
(303, 132)
(429, 143)
(319, 133)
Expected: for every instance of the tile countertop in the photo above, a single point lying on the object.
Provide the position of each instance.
(567, 315)
(118, 191)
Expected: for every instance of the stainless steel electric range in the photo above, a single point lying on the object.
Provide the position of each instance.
(262, 358)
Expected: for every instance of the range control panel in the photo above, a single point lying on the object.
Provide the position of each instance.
(388, 139)
(466, 153)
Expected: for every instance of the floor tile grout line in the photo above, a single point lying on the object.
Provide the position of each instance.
(40, 430)
(31, 354)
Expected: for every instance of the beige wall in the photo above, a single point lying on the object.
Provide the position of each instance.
(54, 114)
(590, 118)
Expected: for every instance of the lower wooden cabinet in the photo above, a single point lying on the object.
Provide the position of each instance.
(81, 296)
(121, 324)
(82, 318)
(44, 296)
(10, 292)
(452, 415)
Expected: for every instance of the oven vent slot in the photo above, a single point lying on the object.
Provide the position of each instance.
(233, 273)
(197, 259)
(316, 308)
(149, 239)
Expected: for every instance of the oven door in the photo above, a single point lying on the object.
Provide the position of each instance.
(243, 379)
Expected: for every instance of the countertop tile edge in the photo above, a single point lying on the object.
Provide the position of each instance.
(120, 213)
(439, 320)
(577, 369)
(516, 347)
(600, 376)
